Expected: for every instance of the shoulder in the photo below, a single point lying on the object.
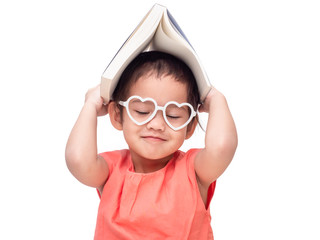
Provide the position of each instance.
(114, 155)
(184, 162)
(188, 157)
(206, 190)
(190, 154)
(114, 158)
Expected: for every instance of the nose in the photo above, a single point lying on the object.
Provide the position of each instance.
(157, 122)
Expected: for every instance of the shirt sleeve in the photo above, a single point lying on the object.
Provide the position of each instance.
(108, 157)
(191, 154)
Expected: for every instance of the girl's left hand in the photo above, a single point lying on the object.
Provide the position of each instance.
(206, 105)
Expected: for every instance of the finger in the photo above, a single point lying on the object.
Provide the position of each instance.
(103, 110)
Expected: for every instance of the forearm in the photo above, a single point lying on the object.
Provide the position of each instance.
(221, 134)
(82, 143)
(81, 150)
(220, 140)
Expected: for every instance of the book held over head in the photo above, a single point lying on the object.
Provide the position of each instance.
(158, 31)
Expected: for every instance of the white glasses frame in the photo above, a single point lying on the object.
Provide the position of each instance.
(157, 108)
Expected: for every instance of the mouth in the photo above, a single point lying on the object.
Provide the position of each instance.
(154, 138)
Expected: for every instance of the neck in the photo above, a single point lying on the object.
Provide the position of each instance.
(143, 165)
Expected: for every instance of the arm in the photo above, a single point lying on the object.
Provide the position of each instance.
(220, 141)
(81, 150)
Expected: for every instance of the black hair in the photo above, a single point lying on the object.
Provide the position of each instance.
(161, 64)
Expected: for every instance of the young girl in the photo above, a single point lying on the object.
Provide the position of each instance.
(153, 190)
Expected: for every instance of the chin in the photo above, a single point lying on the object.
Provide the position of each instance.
(156, 155)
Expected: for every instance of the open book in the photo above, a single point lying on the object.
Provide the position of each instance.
(157, 31)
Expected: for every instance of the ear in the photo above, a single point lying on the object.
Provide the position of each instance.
(115, 115)
(191, 127)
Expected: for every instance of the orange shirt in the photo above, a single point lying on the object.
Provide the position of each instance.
(165, 204)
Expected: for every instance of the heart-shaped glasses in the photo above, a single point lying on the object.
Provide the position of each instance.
(143, 110)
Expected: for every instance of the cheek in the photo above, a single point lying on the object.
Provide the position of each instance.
(126, 121)
(129, 128)
(129, 135)
(180, 136)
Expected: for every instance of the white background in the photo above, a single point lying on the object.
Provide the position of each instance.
(263, 55)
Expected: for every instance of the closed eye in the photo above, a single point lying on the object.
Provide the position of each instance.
(142, 112)
(173, 116)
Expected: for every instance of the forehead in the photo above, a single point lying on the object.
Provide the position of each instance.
(162, 89)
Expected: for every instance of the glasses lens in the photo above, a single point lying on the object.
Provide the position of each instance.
(177, 116)
(141, 111)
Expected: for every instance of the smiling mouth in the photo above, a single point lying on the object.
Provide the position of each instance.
(154, 138)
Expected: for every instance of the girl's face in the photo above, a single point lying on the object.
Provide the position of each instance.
(155, 140)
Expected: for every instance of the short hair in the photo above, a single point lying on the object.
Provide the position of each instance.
(161, 64)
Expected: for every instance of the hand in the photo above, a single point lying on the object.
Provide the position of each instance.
(206, 104)
(93, 97)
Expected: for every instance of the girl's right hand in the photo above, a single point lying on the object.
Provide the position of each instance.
(93, 98)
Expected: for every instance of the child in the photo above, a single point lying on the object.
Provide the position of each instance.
(153, 190)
